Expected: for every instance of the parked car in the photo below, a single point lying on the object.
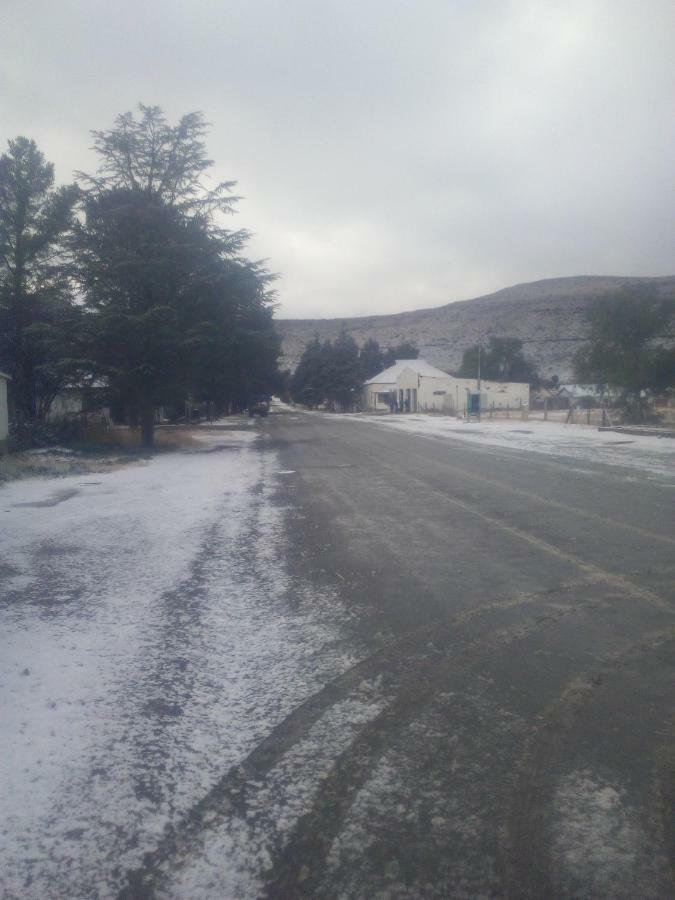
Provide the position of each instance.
(260, 406)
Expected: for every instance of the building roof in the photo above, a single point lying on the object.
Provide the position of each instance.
(420, 366)
(581, 390)
(5, 376)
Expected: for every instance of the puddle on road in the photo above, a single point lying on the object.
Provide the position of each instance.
(217, 448)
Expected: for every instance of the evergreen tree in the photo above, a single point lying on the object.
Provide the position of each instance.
(38, 321)
(174, 306)
(307, 383)
(343, 373)
(404, 350)
(625, 348)
(142, 266)
(236, 347)
(328, 372)
(502, 360)
(372, 359)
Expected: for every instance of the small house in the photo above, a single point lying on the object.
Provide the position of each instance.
(406, 385)
(583, 395)
(414, 385)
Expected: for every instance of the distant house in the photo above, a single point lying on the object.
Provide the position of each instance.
(78, 400)
(401, 381)
(4, 415)
(414, 385)
(586, 395)
(544, 397)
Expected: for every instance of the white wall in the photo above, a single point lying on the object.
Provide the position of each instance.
(67, 402)
(4, 420)
(502, 394)
(449, 395)
(505, 393)
(436, 394)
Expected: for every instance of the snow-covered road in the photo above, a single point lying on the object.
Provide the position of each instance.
(150, 636)
(577, 444)
(196, 704)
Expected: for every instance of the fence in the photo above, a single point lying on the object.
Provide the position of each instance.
(573, 415)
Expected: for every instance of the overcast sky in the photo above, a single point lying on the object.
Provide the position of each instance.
(393, 155)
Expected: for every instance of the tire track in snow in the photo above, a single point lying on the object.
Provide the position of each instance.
(299, 868)
(592, 838)
(238, 788)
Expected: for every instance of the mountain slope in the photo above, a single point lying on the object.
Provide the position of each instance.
(548, 316)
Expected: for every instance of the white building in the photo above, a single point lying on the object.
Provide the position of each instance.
(415, 385)
(402, 381)
(4, 416)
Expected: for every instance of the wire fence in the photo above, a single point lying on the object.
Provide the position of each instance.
(574, 416)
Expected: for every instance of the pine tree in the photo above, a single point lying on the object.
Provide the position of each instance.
(626, 349)
(404, 350)
(343, 378)
(174, 306)
(308, 381)
(372, 360)
(234, 345)
(501, 360)
(38, 320)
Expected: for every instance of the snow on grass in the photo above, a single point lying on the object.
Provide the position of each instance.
(149, 637)
(578, 442)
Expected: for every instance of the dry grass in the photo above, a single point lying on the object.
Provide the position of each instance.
(56, 463)
(167, 437)
(102, 450)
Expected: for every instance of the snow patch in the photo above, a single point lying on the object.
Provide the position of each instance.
(249, 841)
(578, 442)
(150, 636)
(599, 845)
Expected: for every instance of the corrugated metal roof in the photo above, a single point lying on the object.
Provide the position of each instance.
(421, 366)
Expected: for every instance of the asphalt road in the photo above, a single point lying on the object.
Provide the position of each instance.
(521, 613)
(509, 729)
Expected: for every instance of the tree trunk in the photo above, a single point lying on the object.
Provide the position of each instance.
(148, 425)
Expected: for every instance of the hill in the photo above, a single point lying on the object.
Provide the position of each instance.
(547, 316)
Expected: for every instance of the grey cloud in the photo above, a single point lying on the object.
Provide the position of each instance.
(392, 154)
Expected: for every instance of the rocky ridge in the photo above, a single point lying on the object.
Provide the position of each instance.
(549, 317)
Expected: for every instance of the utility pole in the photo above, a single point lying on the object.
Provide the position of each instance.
(478, 380)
